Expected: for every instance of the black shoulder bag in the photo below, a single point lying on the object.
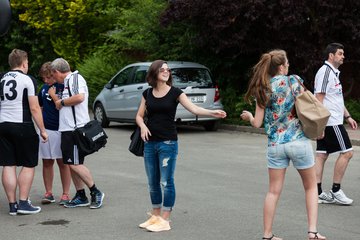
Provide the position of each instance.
(137, 144)
(91, 137)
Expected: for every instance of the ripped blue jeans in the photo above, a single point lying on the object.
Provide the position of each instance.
(160, 161)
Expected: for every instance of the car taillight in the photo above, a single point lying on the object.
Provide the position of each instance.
(217, 94)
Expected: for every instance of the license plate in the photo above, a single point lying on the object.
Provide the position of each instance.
(197, 99)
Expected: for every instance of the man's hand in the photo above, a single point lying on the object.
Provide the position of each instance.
(58, 104)
(352, 123)
(52, 91)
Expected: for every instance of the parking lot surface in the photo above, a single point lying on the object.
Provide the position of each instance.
(221, 180)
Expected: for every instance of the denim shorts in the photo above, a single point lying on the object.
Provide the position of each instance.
(300, 152)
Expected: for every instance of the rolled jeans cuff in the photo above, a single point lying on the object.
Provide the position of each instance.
(168, 209)
(154, 206)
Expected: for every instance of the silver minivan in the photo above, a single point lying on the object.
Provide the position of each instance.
(120, 98)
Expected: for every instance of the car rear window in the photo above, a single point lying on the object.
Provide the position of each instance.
(194, 77)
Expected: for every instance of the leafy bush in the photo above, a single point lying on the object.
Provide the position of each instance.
(353, 106)
(234, 104)
(133, 39)
(98, 70)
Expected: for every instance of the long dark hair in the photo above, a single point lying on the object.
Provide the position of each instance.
(153, 72)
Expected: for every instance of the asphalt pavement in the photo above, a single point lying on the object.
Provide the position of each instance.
(221, 181)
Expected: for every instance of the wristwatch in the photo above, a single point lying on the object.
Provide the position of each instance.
(347, 117)
(62, 103)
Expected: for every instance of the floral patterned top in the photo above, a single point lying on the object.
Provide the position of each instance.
(280, 124)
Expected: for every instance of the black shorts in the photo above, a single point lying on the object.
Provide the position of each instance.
(19, 144)
(336, 140)
(70, 150)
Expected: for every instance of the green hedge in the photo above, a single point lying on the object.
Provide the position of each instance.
(353, 106)
(234, 104)
(98, 70)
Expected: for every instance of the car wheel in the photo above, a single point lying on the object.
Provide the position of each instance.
(100, 115)
(212, 125)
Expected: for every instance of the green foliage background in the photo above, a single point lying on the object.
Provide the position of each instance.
(100, 37)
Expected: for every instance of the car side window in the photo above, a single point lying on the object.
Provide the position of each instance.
(139, 75)
(123, 77)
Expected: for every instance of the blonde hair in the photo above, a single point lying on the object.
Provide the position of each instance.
(17, 57)
(263, 71)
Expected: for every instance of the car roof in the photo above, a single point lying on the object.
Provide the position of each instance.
(172, 64)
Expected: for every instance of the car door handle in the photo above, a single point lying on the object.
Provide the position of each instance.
(139, 88)
(121, 90)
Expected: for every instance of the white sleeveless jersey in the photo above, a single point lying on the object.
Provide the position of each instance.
(66, 118)
(15, 89)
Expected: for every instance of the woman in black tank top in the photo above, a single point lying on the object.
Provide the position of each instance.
(160, 136)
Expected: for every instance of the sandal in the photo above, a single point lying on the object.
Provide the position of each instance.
(317, 235)
(272, 238)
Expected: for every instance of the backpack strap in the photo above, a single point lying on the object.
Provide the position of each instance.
(75, 80)
(331, 68)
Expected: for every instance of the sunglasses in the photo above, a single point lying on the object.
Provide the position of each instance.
(164, 69)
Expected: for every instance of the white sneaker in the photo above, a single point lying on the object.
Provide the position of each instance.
(326, 198)
(159, 226)
(153, 219)
(341, 198)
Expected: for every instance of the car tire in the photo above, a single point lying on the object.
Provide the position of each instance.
(100, 115)
(211, 125)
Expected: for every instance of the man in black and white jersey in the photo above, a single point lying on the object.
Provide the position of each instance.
(74, 104)
(328, 90)
(19, 142)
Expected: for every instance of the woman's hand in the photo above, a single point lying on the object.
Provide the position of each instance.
(218, 113)
(246, 116)
(145, 133)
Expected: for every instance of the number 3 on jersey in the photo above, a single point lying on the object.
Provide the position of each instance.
(11, 94)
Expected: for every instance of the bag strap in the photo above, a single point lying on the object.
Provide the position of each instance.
(301, 84)
(75, 78)
(331, 69)
(146, 111)
(293, 111)
(147, 97)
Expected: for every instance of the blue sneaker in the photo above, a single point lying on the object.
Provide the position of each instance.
(13, 208)
(25, 207)
(97, 199)
(77, 201)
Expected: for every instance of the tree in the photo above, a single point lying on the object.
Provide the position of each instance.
(35, 43)
(135, 37)
(74, 27)
(237, 32)
(137, 28)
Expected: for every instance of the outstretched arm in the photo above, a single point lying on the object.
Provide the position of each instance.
(184, 100)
